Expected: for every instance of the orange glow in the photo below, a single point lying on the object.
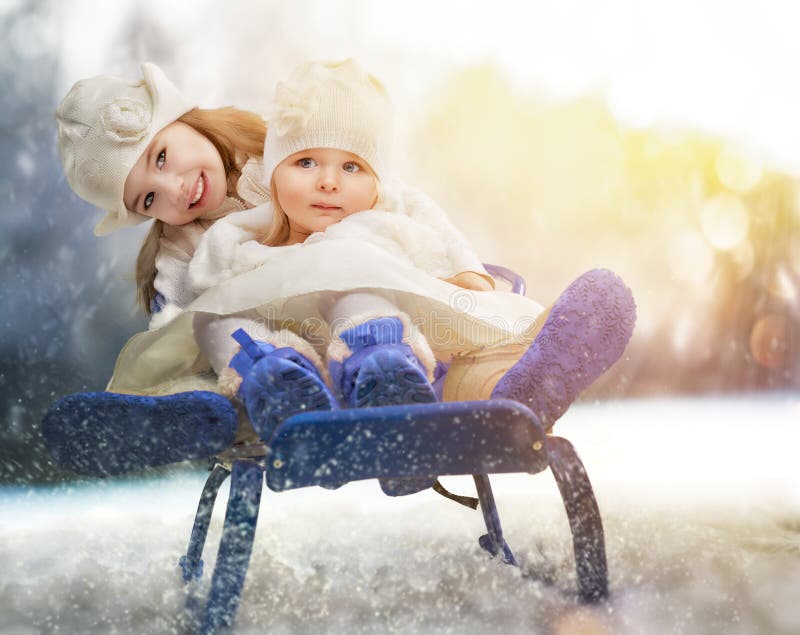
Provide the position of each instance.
(769, 341)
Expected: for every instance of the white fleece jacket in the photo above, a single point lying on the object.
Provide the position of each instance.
(406, 224)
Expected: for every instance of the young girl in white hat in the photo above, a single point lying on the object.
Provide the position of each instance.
(141, 151)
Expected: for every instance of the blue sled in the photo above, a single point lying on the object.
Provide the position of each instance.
(101, 434)
(93, 434)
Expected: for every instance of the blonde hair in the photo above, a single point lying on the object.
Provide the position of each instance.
(279, 226)
(237, 135)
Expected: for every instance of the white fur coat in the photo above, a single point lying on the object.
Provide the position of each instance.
(406, 224)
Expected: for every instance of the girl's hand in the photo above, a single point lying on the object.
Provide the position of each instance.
(470, 280)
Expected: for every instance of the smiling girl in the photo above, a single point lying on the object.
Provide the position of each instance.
(141, 151)
(181, 190)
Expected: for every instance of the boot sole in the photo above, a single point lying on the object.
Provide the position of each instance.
(388, 378)
(586, 332)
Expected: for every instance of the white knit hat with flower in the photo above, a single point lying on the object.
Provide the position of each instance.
(330, 105)
(104, 125)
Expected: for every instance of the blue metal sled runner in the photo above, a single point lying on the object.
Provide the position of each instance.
(93, 434)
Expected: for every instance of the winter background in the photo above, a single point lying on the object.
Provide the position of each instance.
(658, 139)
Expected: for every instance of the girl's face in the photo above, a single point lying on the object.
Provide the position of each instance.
(319, 187)
(178, 178)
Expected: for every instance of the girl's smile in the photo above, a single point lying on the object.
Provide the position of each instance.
(178, 178)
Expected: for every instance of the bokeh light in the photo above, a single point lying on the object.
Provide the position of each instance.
(738, 171)
(690, 259)
(794, 255)
(724, 220)
(782, 286)
(743, 257)
(770, 342)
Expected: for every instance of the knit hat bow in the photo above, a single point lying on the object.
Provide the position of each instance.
(126, 120)
(330, 105)
(293, 107)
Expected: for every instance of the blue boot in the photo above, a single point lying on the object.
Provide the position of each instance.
(276, 384)
(383, 371)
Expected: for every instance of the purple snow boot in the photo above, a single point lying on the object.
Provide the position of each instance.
(276, 384)
(584, 334)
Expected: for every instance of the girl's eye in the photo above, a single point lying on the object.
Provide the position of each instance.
(148, 200)
(161, 159)
(351, 166)
(307, 163)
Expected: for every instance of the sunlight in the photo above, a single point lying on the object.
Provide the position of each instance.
(724, 220)
(794, 255)
(781, 285)
(743, 257)
(737, 171)
(690, 259)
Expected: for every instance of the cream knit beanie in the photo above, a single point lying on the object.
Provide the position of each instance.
(330, 105)
(104, 125)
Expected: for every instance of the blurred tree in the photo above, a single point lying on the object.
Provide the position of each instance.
(67, 298)
(701, 231)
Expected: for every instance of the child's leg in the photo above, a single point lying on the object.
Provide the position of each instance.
(275, 374)
(576, 341)
(472, 375)
(213, 336)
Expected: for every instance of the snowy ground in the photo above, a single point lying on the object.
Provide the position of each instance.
(700, 500)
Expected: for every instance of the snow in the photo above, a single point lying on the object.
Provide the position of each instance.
(700, 501)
